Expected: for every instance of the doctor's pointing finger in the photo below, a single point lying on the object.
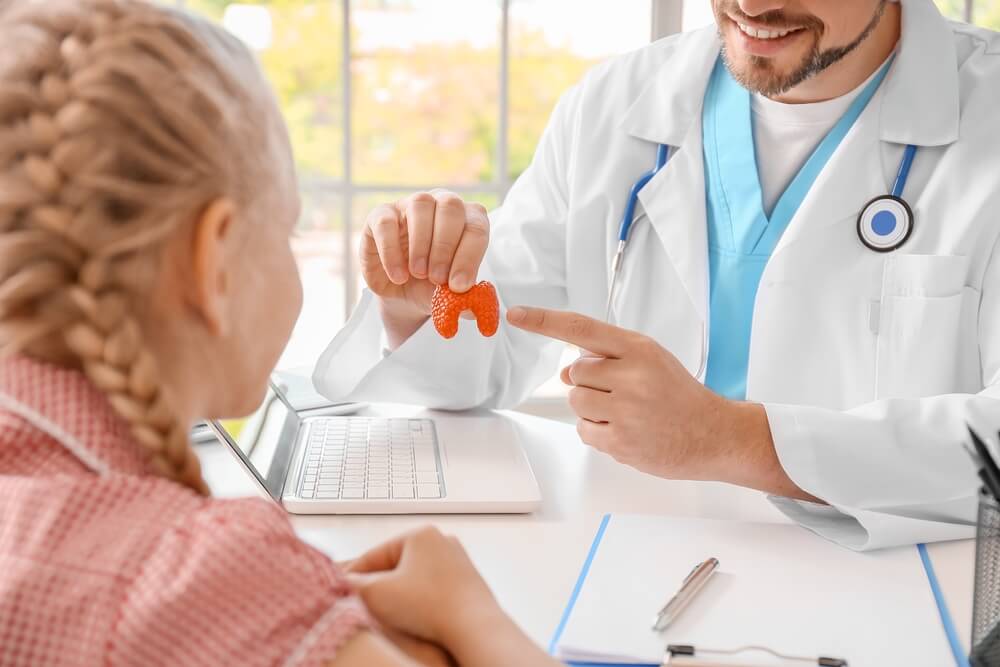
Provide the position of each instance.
(637, 403)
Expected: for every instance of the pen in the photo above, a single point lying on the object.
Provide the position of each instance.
(689, 589)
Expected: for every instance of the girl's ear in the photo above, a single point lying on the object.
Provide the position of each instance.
(211, 285)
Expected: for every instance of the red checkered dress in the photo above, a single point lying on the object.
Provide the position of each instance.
(102, 563)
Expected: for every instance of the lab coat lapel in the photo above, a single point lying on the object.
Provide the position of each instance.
(918, 104)
(674, 202)
(668, 111)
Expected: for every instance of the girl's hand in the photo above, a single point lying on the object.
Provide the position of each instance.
(423, 584)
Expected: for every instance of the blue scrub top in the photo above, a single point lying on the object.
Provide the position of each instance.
(741, 237)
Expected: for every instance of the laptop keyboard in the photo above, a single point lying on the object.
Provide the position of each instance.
(360, 458)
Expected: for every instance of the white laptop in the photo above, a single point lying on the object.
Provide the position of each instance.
(321, 464)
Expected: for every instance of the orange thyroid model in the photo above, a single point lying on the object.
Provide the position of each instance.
(447, 306)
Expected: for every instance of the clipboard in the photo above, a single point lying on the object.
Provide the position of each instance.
(682, 655)
(617, 571)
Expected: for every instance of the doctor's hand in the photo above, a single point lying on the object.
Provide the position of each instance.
(410, 247)
(636, 402)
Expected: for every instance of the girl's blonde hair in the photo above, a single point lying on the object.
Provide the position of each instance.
(119, 122)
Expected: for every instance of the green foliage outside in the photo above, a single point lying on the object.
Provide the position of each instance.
(423, 116)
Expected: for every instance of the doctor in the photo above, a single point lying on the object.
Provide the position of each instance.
(809, 302)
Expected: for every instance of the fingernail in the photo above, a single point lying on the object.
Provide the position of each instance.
(420, 267)
(439, 274)
(398, 276)
(459, 283)
(516, 314)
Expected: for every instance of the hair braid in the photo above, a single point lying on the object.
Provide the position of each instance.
(100, 161)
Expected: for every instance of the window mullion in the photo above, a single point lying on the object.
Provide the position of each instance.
(347, 200)
(667, 17)
(503, 130)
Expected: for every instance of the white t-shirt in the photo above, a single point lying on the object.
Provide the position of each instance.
(785, 135)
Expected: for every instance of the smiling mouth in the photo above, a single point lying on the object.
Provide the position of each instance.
(758, 33)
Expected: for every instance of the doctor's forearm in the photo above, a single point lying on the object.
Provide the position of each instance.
(752, 460)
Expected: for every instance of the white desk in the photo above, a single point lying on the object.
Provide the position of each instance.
(532, 562)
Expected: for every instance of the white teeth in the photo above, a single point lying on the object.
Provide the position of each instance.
(762, 34)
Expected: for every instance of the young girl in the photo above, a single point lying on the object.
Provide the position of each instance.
(147, 196)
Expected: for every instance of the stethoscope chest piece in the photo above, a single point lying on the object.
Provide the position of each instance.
(885, 223)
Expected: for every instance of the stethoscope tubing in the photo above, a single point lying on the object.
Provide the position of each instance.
(904, 171)
(663, 155)
(629, 218)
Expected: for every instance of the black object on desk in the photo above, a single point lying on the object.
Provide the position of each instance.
(989, 472)
(986, 598)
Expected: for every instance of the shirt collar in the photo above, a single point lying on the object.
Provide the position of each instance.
(63, 404)
(920, 103)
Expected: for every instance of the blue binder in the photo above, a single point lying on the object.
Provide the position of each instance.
(961, 660)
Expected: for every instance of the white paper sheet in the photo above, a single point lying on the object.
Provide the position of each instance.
(777, 585)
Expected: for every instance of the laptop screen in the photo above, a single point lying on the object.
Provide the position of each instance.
(264, 440)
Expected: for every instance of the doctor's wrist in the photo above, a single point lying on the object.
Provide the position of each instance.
(400, 321)
(752, 460)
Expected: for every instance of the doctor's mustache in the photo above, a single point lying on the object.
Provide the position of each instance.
(778, 18)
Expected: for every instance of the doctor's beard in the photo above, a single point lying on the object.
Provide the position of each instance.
(758, 74)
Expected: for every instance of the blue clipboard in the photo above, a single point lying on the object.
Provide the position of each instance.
(961, 660)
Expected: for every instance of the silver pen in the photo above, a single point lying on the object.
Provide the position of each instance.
(689, 589)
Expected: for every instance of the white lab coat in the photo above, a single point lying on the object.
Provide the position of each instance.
(867, 364)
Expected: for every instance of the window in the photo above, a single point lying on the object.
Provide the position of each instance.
(386, 97)
(981, 12)
(697, 14)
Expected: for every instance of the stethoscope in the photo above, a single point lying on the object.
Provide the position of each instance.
(662, 155)
(885, 223)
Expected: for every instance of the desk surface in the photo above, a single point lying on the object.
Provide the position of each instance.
(532, 561)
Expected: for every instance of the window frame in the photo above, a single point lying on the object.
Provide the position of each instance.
(665, 20)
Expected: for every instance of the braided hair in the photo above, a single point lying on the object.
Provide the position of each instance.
(119, 121)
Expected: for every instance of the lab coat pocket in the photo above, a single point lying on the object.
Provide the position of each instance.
(922, 328)
(924, 275)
